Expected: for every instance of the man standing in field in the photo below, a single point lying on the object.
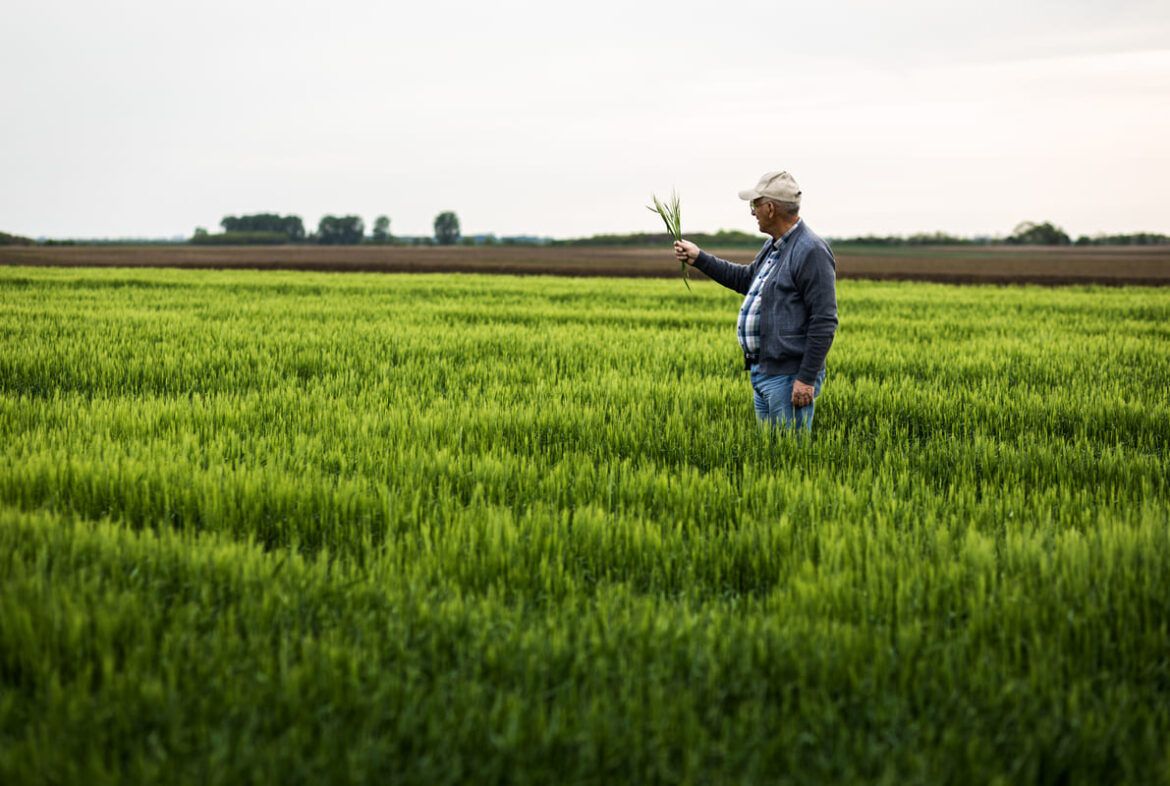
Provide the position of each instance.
(789, 312)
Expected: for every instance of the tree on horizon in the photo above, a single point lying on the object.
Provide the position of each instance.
(340, 231)
(381, 233)
(447, 228)
(291, 226)
(1045, 234)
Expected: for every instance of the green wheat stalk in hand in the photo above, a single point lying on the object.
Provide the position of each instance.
(672, 216)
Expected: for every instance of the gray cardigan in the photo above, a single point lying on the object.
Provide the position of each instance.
(798, 306)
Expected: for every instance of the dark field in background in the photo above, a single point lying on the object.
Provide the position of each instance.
(958, 264)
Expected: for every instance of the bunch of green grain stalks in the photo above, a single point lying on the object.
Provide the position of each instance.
(672, 216)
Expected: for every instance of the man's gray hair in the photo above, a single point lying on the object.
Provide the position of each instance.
(787, 208)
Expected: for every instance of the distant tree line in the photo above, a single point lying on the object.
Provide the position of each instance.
(917, 239)
(724, 237)
(15, 240)
(349, 230)
(1136, 239)
(290, 226)
(1048, 234)
(1024, 234)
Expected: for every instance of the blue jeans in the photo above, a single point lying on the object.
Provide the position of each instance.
(773, 399)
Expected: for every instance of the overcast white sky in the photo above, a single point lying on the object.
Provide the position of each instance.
(136, 118)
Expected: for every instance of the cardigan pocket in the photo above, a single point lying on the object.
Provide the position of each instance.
(791, 345)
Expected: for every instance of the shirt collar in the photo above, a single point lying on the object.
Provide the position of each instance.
(778, 242)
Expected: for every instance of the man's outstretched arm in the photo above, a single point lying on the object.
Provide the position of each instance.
(729, 274)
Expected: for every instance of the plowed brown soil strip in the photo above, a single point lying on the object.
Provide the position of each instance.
(958, 264)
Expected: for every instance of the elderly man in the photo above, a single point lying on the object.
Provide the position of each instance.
(789, 312)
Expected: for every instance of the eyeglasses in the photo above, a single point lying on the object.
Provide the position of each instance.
(754, 206)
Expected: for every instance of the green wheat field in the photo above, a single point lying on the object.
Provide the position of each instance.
(426, 529)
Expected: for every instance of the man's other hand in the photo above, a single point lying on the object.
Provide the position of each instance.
(802, 394)
(686, 251)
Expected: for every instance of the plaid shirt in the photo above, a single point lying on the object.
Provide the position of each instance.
(748, 325)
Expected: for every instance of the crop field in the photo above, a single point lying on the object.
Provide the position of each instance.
(315, 528)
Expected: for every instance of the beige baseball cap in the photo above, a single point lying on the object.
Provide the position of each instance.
(774, 185)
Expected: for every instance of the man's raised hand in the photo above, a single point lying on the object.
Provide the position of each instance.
(686, 251)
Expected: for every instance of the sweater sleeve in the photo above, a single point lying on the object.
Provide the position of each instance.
(816, 280)
(729, 274)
